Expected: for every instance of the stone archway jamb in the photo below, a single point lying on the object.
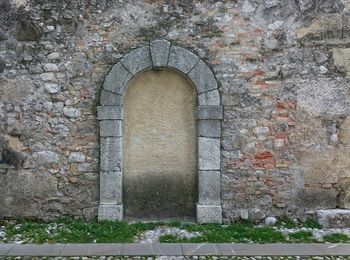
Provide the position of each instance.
(160, 54)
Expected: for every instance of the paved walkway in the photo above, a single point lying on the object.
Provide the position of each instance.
(157, 249)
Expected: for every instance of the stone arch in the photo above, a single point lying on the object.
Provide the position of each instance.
(161, 54)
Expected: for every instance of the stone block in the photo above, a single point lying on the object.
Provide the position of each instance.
(182, 59)
(110, 99)
(209, 187)
(209, 214)
(343, 198)
(208, 153)
(210, 112)
(110, 211)
(160, 53)
(137, 60)
(316, 198)
(110, 154)
(334, 218)
(111, 128)
(71, 112)
(76, 157)
(209, 128)
(111, 187)
(202, 77)
(109, 112)
(211, 98)
(341, 59)
(117, 79)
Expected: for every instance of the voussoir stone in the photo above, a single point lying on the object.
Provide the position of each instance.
(182, 59)
(202, 77)
(111, 187)
(117, 79)
(110, 128)
(160, 53)
(110, 153)
(211, 98)
(137, 60)
(110, 99)
(109, 112)
(210, 112)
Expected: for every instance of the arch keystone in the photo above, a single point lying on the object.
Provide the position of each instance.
(160, 53)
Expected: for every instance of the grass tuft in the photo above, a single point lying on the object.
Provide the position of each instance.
(336, 238)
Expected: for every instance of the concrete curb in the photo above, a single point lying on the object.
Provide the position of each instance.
(163, 249)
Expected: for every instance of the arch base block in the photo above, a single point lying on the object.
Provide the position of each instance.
(110, 212)
(209, 214)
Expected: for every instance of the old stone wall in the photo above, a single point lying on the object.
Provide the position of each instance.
(283, 71)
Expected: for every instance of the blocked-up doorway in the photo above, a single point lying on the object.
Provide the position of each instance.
(159, 144)
(160, 130)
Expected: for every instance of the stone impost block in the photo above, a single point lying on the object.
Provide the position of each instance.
(160, 53)
(209, 214)
(182, 59)
(110, 128)
(110, 99)
(110, 154)
(208, 153)
(209, 128)
(137, 60)
(109, 112)
(111, 187)
(211, 98)
(117, 79)
(202, 77)
(110, 211)
(209, 187)
(210, 112)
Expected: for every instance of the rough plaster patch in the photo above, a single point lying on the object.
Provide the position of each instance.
(16, 90)
(324, 97)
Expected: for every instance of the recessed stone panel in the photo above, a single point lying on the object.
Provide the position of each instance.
(159, 133)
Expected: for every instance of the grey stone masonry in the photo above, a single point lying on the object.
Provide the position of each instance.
(110, 154)
(209, 187)
(137, 60)
(210, 112)
(112, 187)
(110, 128)
(208, 153)
(117, 79)
(209, 213)
(209, 128)
(109, 211)
(182, 59)
(109, 112)
(211, 98)
(110, 99)
(160, 53)
(202, 77)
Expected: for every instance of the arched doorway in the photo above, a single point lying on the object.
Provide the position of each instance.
(160, 55)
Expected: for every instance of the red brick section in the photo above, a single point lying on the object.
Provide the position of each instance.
(264, 159)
